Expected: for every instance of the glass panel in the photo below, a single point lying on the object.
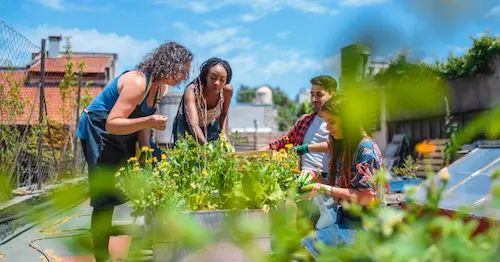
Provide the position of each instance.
(471, 190)
(470, 163)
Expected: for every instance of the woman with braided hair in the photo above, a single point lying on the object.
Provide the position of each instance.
(204, 107)
(355, 157)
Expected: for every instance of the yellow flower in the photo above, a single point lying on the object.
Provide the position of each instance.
(243, 167)
(155, 159)
(287, 165)
(282, 150)
(163, 156)
(132, 159)
(204, 172)
(144, 148)
(286, 138)
(288, 146)
(264, 155)
(151, 150)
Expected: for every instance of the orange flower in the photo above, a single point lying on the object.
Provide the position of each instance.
(425, 148)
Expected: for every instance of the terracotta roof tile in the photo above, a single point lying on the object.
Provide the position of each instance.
(30, 95)
(57, 65)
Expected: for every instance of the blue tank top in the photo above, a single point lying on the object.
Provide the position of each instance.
(105, 101)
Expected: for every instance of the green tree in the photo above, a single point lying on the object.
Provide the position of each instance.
(246, 94)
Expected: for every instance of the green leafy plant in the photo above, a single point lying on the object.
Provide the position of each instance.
(451, 128)
(409, 168)
(198, 177)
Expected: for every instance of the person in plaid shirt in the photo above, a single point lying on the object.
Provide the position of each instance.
(310, 128)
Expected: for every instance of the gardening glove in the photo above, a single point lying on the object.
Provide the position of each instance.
(305, 178)
(302, 149)
(313, 190)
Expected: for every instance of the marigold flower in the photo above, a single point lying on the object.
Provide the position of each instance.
(132, 159)
(282, 150)
(288, 146)
(287, 165)
(163, 156)
(144, 148)
(155, 159)
(425, 148)
(264, 155)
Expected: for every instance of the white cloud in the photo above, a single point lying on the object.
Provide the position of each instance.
(257, 8)
(220, 42)
(459, 50)
(52, 4)
(292, 62)
(130, 50)
(495, 11)
(356, 3)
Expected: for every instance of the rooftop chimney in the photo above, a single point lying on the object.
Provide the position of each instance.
(54, 42)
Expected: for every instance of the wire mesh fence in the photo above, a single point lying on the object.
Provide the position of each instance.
(37, 112)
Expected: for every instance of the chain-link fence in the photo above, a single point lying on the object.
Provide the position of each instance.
(37, 112)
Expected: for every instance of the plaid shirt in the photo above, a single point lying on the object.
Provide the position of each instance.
(296, 135)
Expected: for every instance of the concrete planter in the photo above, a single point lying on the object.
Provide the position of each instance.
(165, 249)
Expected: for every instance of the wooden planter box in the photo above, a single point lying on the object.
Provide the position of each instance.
(165, 249)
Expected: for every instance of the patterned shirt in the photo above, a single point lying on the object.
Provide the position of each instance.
(296, 135)
(367, 161)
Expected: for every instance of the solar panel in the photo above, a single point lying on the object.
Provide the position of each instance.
(470, 182)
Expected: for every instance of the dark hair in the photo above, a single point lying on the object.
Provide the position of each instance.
(327, 82)
(167, 60)
(345, 148)
(207, 65)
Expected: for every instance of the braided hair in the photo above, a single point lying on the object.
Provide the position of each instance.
(201, 81)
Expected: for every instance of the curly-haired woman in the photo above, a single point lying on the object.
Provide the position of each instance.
(122, 114)
(205, 104)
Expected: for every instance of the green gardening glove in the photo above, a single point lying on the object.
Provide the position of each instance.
(302, 149)
(305, 178)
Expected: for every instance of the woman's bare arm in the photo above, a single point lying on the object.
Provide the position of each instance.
(223, 118)
(133, 86)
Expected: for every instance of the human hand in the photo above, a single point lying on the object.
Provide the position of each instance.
(315, 189)
(302, 149)
(158, 122)
(305, 178)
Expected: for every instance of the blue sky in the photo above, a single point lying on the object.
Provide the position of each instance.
(277, 42)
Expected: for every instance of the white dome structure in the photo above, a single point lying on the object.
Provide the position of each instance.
(264, 96)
